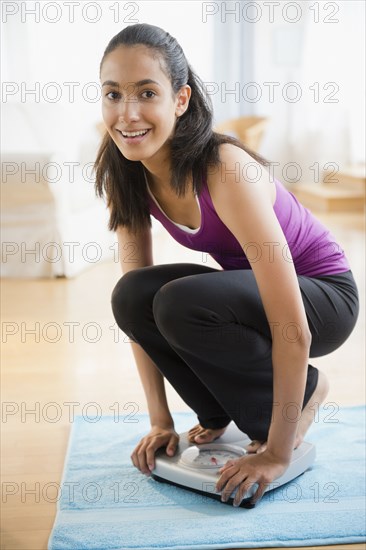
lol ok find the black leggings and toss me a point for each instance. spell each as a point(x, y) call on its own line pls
point(207, 332)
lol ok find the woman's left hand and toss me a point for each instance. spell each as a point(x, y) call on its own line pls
point(243, 472)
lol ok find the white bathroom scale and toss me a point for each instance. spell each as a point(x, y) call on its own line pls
point(196, 467)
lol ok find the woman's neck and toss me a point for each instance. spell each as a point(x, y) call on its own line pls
point(158, 178)
point(159, 175)
point(158, 183)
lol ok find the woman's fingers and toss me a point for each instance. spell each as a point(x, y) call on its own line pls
point(152, 448)
point(139, 456)
point(135, 456)
point(243, 489)
point(259, 492)
point(172, 445)
point(150, 457)
point(230, 486)
point(226, 472)
point(133, 459)
point(231, 480)
point(143, 457)
point(260, 469)
point(227, 464)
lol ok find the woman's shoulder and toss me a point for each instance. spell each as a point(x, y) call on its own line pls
point(237, 166)
point(229, 151)
point(233, 161)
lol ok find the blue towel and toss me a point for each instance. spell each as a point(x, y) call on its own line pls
point(106, 503)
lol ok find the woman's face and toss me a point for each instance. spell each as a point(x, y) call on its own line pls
point(138, 97)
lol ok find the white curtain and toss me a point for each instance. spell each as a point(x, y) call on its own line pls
point(323, 53)
point(330, 125)
point(37, 54)
point(225, 50)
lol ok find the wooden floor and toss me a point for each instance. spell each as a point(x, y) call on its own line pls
point(40, 376)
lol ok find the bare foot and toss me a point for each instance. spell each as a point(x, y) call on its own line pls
point(198, 434)
point(307, 416)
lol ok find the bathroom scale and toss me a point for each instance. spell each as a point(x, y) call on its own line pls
point(196, 466)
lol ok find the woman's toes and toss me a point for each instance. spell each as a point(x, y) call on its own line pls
point(193, 432)
point(207, 435)
point(194, 429)
point(262, 448)
point(198, 434)
point(254, 446)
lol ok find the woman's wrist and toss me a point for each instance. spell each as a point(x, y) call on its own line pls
point(280, 447)
point(163, 421)
point(279, 455)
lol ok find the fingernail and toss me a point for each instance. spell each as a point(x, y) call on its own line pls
point(151, 467)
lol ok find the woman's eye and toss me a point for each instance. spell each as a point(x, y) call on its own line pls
point(150, 94)
point(112, 98)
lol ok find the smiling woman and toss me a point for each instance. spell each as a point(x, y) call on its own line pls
point(139, 111)
point(235, 342)
point(144, 90)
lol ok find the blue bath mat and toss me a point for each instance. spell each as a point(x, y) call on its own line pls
point(107, 504)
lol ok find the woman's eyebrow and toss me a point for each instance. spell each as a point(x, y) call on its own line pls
point(138, 84)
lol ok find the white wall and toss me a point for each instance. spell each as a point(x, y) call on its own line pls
point(259, 45)
point(307, 52)
point(268, 51)
point(39, 53)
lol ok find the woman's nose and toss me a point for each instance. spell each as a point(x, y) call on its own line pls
point(129, 110)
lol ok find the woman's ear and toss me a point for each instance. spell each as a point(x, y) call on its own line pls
point(183, 98)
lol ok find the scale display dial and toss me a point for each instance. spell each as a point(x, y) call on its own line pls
point(210, 455)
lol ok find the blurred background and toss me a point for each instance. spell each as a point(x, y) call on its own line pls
point(294, 72)
point(285, 77)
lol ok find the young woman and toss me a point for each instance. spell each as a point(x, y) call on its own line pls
point(234, 342)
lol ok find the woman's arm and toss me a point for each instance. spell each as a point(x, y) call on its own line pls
point(135, 251)
point(153, 384)
point(245, 208)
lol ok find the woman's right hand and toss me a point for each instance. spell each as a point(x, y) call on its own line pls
point(143, 455)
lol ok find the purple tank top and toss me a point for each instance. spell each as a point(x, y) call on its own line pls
point(311, 246)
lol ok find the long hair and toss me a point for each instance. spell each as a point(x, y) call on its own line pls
point(194, 146)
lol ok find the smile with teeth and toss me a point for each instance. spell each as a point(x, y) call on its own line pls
point(135, 134)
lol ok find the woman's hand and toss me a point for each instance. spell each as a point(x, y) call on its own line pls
point(244, 472)
point(143, 455)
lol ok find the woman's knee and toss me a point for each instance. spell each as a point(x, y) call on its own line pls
point(170, 309)
point(128, 296)
point(182, 316)
point(186, 322)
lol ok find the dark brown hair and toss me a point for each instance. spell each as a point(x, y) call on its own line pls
point(194, 146)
